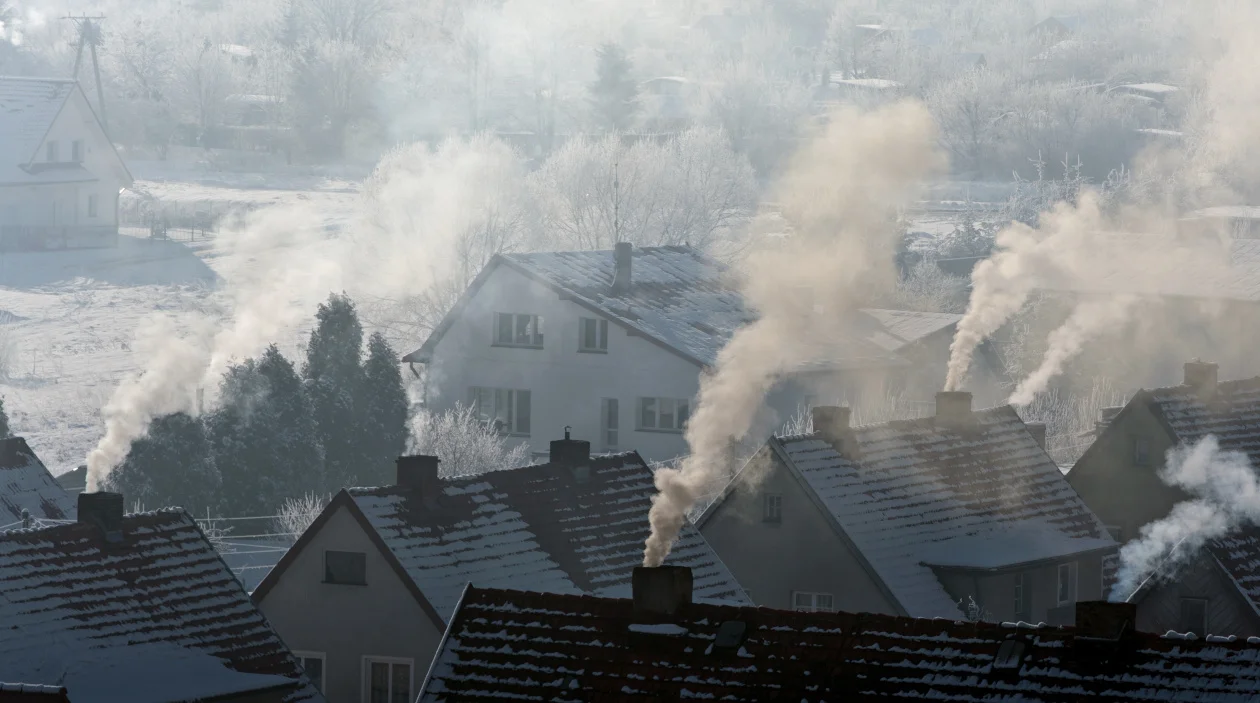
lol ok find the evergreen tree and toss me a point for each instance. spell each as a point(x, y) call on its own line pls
point(614, 94)
point(383, 414)
point(5, 432)
point(171, 466)
point(334, 382)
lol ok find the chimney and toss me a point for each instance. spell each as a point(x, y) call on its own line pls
point(570, 453)
point(832, 424)
point(1038, 432)
point(419, 473)
point(104, 511)
point(953, 408)
point(1105, 416)
point(622, 279)
point(1102, 619)
point(1201, 376)
point(661, 590)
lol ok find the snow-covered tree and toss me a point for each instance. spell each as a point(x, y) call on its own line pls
point(614, 94)
point(466, 445)
point(297, 514)
point(171, 466)
point(5, 432)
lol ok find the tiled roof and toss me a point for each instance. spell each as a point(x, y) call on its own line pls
point(511, 645)
point(688, 302)
point(923, 490)
point(156, 610)
point(28, 107)
point(1231, 414)
point(26, 484)
point(1239, 555)
point(537, 527)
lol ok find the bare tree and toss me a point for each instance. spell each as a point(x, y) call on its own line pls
point(297, 514)
point(970, 111)
point(466, 445)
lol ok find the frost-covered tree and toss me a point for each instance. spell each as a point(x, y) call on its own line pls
point(5, 432)
point(334, 383)
point(615, 93)
point(971, 111)
point(171, 466)
point(466, 445)
point(383, 412)
point(297, 514)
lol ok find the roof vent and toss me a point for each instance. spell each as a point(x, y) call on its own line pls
point(1038, 432)
point(103, 511)
point(622, 279)
point(731, 635)
point(1201, 376)
point(953, 408)
point(660, 590)
point(570, 453)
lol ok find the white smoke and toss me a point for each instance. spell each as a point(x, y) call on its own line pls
point(1227, 496)
point(840, 195)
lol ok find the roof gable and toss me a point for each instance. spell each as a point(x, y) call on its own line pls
point(28, 107)
point(76, 608)
point(538, 527)
point(26, 484)
point(511, 645)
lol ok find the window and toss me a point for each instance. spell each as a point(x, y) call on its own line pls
point(1194, 616)
point(386, 680)
point(313, 665)
point(773, 511)
point(1066, 590)
point(349, 568)
point(1141, 451)
point(92, 205)
point(76, 151)
point(511, 330)
point(505, 409)
point(592, 335)
point(52, 152)
point(611, 422)
point(667, 414)
point(812, 602)
point(1022, 611)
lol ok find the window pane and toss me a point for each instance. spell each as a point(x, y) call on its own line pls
point(1064, 583)
point(345, 567)
point(503, 334)
point(684, 412)
point(401, 690)
point(538, 330)
point(603, 335)
point(378, 686)
point(522, 329)
point(801, 601)
point(522, 412)
point(666, 421)
point(823, 601)
point(588, 333)
point(647, 412)
point(314, 668)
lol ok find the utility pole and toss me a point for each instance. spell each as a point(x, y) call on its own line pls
point(90, 36)
point(616, 202)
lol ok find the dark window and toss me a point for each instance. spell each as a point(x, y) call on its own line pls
point(1116, 532)
point(504, 409)
point(592, 334)
point(389, 682)
point(92, 205)
point(1022, 609)
point(1141, 451)
point(773, 509)
point(514, 330)
point(348, 568)
point(668, 414)
point(54, 154)
point(1194, 616)
point(313, 665)
point(1066, 590)
point(612, 423)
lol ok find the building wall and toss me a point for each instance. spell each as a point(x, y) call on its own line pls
point(995, 592)
point(800, 553)
point(1119, 491)
point(1227, 614)
point(347, 622)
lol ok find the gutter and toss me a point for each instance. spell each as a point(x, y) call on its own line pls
point(1045, 561)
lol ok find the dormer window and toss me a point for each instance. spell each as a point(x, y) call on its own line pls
point(517, 330)
point(52, 152)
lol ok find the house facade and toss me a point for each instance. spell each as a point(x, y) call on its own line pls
point(957, 515)
point(612, 344)
point(60, 176)
point(386, 567)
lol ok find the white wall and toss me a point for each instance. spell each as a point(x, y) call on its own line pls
point(566, 385)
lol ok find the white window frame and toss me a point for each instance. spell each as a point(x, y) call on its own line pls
point(674, 403)
point(322, 657)
point(365, 675)
point(512, 395)
point(601, 335)
point(1022, 605)
point(535, 328)
point(1058, 583)
point(813, 606)
point(772, 508)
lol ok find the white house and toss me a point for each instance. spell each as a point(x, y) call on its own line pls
point(60, 176)
point(612, 344)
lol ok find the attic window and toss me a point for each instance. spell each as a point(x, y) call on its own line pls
point(348, 568)
point(1010, 654)
point(731, 635)
point(1141, 451)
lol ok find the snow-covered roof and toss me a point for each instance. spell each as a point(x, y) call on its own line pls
point(1149, 88)
point(28, 107)
point(688, 303)
point(982, 495)
point(26, 484)
point(521, 646)
point(1233, 212)
point(153, 611)
point(1231, 413)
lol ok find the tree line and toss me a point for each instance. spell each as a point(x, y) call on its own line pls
point(278, 432)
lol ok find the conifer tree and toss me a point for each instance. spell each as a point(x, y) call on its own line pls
point(5, 432)
point(171, 466)
point(383, 414)
point(614, 94)
point(334, 383)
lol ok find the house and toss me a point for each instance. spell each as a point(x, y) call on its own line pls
point(385, 567)
point(29, 495)
point(612, 343)
point(1118, 477)
point(135, 608)
point(60, 176)
point(74, 481)
point(661, 646)
point(960, 513)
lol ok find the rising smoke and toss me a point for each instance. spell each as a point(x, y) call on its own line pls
point(840, 196)
point(1226, 494)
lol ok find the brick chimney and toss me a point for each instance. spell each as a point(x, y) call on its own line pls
point(953, 408)
point(831, 422)
point(419, 473)
point(104, 511)
point(1201, 376)
point(622, 279)
point(1038, 432)
point(570, 453)
point(660, 590)
point(1102, 619)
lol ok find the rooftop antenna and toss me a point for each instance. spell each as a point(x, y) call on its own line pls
point(89, 30)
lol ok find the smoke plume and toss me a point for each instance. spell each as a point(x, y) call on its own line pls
point(1227, 496)
point(839, 195)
